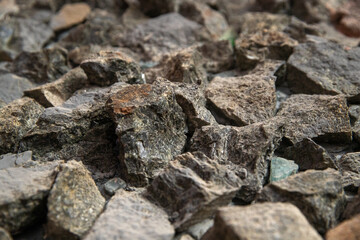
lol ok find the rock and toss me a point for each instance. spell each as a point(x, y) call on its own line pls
point(192, 187)
point(273, 220)
point(139, 220)
point(274, 6)
point(12, 160)
point(8, 7)
point(109, 67)
point(348, 230)
point(4, 235)
point(347, 18)
point(72, 212)
point(249, 148)
point(169, 32)
point(320, 116)
point(155, 8)
point(309, 155)
point(56, 93)
point(70, 15)
point(114, 184)
point(329, 69)
point(17, 118)
point(17, 35)
point(184, 237)
point(282, 168)
point(198, 230)
point(151, 129)
point(354, 114)
point(246, 99)
point(349, 165)
point(23, 195)
point(13, 86)
point(352, 208)
point(318, 194)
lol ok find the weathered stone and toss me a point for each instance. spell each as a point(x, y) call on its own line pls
point(70, 15)
point(4, 235)
point(347, 230)
point(192, 187)
point(349, 165)
point(17, 35)
point(139, 220)
point(198, 230)
point(8, 7)
point(309, 155)
point(246, 99)
point(74, 202)
point(354, 113)
point(114, 184)
point(324, 68)
point(318, 194)
point(23, 195)
point(17, 118)
point(271, 220)
point(151, 129)
point(352, 208)
point(12, 160)
point(56, 93)
point(320, 116)
point(249, 148)
point(347, 18)
point(282, 168)
point(155, 8)
point(109, 67)
point(13, 86)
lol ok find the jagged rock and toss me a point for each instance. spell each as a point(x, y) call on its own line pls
point(13, 160)
point(109, 67)
point(354, 114)
point(347, 18)
point(318, 194)
point(320, 116)
point(169, 32)
point(347, 230)
point(70, 15)
point(349, 165)
point(151, 129)
point(214, 22)
point(139, 220)
point(42, 66)
point(17, 118)
point(309, 155)
point(192, 187)
point(155, 8)
point(23, 195)
point(270, 220)
point(8, 7)
point(114, 184)
point(328, 69)
point(56, 93)
point(17, 35)
point(74, 202)
point(281, 168)
point(4, 235)
point(13, 86)
point(245, 99)
point(249, 148)
point(352, 208)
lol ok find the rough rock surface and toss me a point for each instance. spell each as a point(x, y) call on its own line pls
point(74, 202)
point(128, 215)
point(318, 194)
point(13, 86)
point(349, 165)
point(13, 160)
point(70, 15)
point(282, 168)
point(348, 230)
point(273, 220)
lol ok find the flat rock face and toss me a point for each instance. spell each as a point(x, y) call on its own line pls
point(23, 195)
point(318, 194)
point(13, 160)
point(13, 86)
point(324, 68)
point(74, 202)
point(281, 168)
point(151, 129)
point(309, 116)
point(70, 15)
point(174, 189)
point(128, 215)
point(348, 230)
point(273, 220)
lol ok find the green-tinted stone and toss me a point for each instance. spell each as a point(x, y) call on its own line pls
point(281, 168)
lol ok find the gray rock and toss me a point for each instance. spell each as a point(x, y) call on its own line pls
point(320, 116)
point(13, 86)
point(349, 165)
point(8, 7)
point(198, 230)
point(274, 6)
point(271, 220)
point(139, 220)
point(114, 184)
point(74, 202)
point(352, 208)
point(12, 160)
point(192, 187)
point(23, 195)
point(318, 194)
point(4, 235)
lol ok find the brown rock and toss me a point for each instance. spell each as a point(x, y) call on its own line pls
point(70, 15)
point(347, 18)
point(349, 165)
point(347, 230)
point(8, 7)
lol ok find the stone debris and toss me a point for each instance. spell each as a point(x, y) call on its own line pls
point(70, 15)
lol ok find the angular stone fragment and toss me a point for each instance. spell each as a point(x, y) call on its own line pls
point(352, 208)
point(192, 187)
point(349, 165)
point(347, 230)
point(56, 93)
point(320, 116)
point(23, 195)
point(12, 160)
point(128, 215)
point(4, 235)
point(318, 194)
point(151, 129)
point(282, 168)
point(17, 118)
point(74, 202)
point(271, 220)
point(109, 67)
point(114, 184)
point(13, 86)
point(246, 99)
point(70, 15)
point(324, 68)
